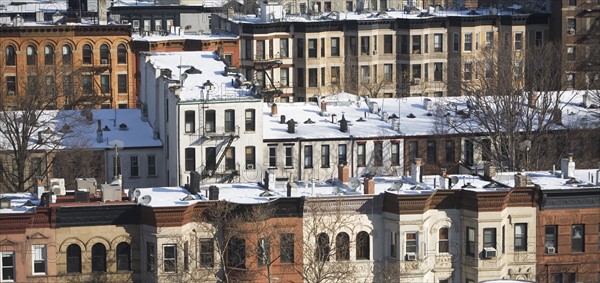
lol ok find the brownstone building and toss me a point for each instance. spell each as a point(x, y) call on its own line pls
point(91, 61)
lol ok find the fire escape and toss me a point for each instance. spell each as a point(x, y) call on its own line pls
point(262, 65)
point(589, 39)
point(222, 138)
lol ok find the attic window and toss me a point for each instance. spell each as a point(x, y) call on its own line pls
point(123, 127)
point(193, 70)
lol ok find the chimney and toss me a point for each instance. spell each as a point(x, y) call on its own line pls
point(99, 137)
point(213, 193)
point(489, 170)
point(323, 106)
point(282, 119)
point(567, 167)
point(333, 118)
point(442, 178)
point(269, 180)
point(532, 100)
point(369, 186)
point(274, 110)
point(520, 180)
point(291, 126)
point(343, 125)
point(343, 173)
point(415, 173)
point(194, 187)
point(230, 13)
point(557, 116)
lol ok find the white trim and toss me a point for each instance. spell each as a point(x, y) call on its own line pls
point(8, 254)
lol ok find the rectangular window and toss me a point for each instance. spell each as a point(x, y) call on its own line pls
point(449, 149)
point(150, 257)
point(312, 48)
point(264, 251)
point(335, 46)
point(416, 44)
point(122, 83)
point(86, 83)
point(284, 74)
point(489, 39)
point(250, 158)
point(260, 50)
point(431, 151)
point(210, 157)
point(360, 155)
point(486, 149)
point(469, 152)
point(312, 77)
point(413, 150)
point(388, 72)
point(250, 117)
point(286, 248)
point(300, 48)
point(32, 87)
point(190, 121)
point(503, 238)
point(236, 253)
point(134, 169)
point(489, 68)
point(151, 165)
point(550, 239)
point(378, 153)
point(518, 41)
point(468, 44)
point(11, 85)
point(300, 77)
point(230, 158)
point(521, 237)
point(190, 159)
point(186, 251)
point(210, 123)
point(571, 26)
point(394, 244)
point(342, 153)
point(365, 72)
point(470, 247)
point(388, 45)
point(325, 156)
point(289, 156)
point(539, 38)
point(229, 120)
point(272, 156)
point(578, 238)
point(283, 47)
point(7, 267)
point(38, 259)
point(571, 53)
point(438, 42)
point(411, 242)
point(322, 76)
point(364, 45)
point(322, 47)
point(572, 2)
point(170, 258)
point(416, 72)
point(438, 69)
point(489, 238)
point(207, 252)
point(308, 154)
point(395, 154)
point(468, 71)
point(455, 42)
point(443, 245)
point(335, 75)
point(105, 83)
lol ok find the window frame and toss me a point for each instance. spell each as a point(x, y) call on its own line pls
point(520, 239)
point(443, 240)
point(342, 247)
point(286, 248)
point(471, 242)
point(551, 239)
point(250, 122)
point(98, 257)
point(6, 254)
point(578, 244)
point(325, 156)
point(207, 252)
point(489, 238)
point(363, 246)
point(361, 158)
point(73, 258)
point(308, 156)
point(123, 256)
point(38, 250)
point(134, 166)
point(172, 260)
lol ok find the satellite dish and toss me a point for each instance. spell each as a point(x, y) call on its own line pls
point(454, 180)
point(397, 184)
point(354, 183)
point(145, 200)
point(136, 193)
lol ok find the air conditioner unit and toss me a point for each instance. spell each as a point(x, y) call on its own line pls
point(416, 81)
point(550, 250)
point(104, 61)
point(489, 252)
point(136, 29)
point(57, 185)
point(411, 256)
point(571, 31)
point(249, 166)
point(11, 93)
point(125, 22)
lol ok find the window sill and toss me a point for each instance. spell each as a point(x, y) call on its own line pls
point(35, 275)
point(325, 166)
point(308, 167)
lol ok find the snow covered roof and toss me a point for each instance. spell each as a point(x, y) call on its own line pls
point(155, 38)
point(31, 6)
point(201, 3)
point(18, 203)
point(196, 69)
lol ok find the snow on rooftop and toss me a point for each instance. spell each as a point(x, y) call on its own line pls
point(31, 6)
point(204, 3)
point(171, 36)
point(196, 69)
point(18, 203)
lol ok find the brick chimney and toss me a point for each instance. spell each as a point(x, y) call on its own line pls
point(520, 180)
point(415, 172)
point(323, 106)
point(369, 186)
point(532, 100)
point(489, 170)
point(273, 110)
point(343, 173)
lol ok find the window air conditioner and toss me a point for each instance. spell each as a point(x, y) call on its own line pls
point(104, 61)
point(411, 256)
point(249, 166)
point(550, 250)
point(489, 252)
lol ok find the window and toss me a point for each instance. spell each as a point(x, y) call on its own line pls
point(272, 156)
point(518, 41)
point(11, 85)
point(150, 257)
point(289, 156)
point(571, 53)
point(335, 46)
point(86, 82)
point(489, 39)
point(388, 44)
point(416, 72)
point(455, 42)
point(312, 77)
point(264, 251)
point(361, 159)
point(394, 244)
point(121, 54)
point(11, 58)
point(469, 150)
point(570, 80)
point(470, 247)
point(300, 48)
point(539, 38)
point(468, 71)
point(578, 238)
point(312, 48)
point(571, 26)
point(48, 55)
point(550, 238)
point(98, 258)
point(283, 47)
point(236, 253)
point(7, 266)
point(158, 25)
point(449, 149)
point(151, 165)
point(342, 247)
point(342, 154)
point(286, 248)
point(411, 242)
point(190, 121)
point(230, 158)
point(365, 72)
point(468, 44)
point(123, 256)
point(210, 121)
point(87, 54)
point(300, 77)
point(438, 71)
point(325, 156)
point(431, 151)
point(362, 246)
point(248, 50)
point(486, 150)
point(31, 55)
point(503, 238)
point(207, 258)
point(443, 242)
point(170, 258)
point(105, 83)
point(378, 153)
point(395, 153)
point(308, 160)
point(210, 158)
point(364, 45)
point(190, 159)
point(387, 72)
point(229, 120)
point(322, 251)
point(250, 117)
point(489, 68)
point(284, 74)
point(250, 158)
point(32, 88)
point(38, 259)
point(521, 237)
point(438, 42)
point(335, 75)
point(572, 2)
point(134, 169)
point(416, 44)
point(413, 150)
point(489, 238)
point(73, 258)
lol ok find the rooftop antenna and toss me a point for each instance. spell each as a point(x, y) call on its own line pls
point(117, 144)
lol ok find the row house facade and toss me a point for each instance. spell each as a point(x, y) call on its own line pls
point(89, 63)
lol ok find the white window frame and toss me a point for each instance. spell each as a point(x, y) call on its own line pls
point(416, 240)
point(164, 259)
point(7, 254)
point(38, 251)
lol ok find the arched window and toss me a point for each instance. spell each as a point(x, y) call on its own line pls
point(322, 251)
point(342, 247)
point(11, 58)
point(362, 245)
point(121, 54)
point(67, 55)
point(87, 54)
point(443, 240)
point(123, 256)
point(74, 258)
point(104, 54)
point(31, 55)
point(49, 55)
point(98, 258)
